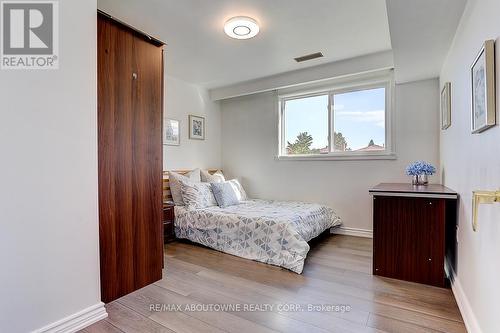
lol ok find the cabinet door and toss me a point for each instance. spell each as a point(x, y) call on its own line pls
point(130, 159)
point(409, 239)
point(437, 235)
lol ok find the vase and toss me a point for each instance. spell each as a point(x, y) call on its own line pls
point(419, 180)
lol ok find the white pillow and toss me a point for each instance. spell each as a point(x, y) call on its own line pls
point(224, 194)
point(197, 195)
point(175, 186)
point(217, 177)
point(240, 191)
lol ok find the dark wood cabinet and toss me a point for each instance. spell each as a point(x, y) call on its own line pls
point(130, 113)
point(168, 223)
point(410, 237)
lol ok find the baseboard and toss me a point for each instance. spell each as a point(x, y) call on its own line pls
point(470, 320)
point(352, 232)
point(76, 321)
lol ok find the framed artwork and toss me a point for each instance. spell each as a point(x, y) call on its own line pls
point(483, 88)
point(196, 127)
point(171, 134)
point(446, 106)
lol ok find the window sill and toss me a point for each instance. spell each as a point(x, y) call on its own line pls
point(338, 157)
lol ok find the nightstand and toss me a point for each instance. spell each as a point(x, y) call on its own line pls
point(168, 222)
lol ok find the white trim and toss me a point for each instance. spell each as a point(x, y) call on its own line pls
point(338, 157)
point(470, 320)
point(366, 233)
point(358, 81)
point(76, 321)
point(414, 195)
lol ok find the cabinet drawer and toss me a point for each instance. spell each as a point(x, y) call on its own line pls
point(168, 223)
point(168, 214)
point(168, 231)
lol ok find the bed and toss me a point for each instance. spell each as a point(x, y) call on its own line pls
point(272, 232)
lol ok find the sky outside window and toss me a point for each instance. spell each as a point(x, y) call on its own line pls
point(360, 117)
point(309, 115)
point(359, 121)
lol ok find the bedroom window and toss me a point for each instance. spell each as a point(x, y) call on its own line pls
point(344, 122)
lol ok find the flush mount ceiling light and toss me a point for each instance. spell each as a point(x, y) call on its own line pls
point(241, 27)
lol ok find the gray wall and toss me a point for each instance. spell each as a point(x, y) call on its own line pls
point(249, 147)
point(49, 241)
point(472, 162)
point(181, 100)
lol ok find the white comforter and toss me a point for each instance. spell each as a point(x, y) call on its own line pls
point(273, 232)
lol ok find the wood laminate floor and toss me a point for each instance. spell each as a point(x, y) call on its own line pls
point(337, 271)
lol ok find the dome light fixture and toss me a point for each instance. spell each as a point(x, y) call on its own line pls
point(241, 27)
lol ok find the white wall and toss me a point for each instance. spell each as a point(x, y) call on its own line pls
point(181, 100)
point(472, 162)
point(249, 147)
point(48, 176)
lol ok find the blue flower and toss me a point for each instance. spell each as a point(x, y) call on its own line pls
point(420, 168)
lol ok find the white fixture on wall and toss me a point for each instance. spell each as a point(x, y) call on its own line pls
point(241, 27)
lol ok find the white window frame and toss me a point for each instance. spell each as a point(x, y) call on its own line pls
point(365, 82)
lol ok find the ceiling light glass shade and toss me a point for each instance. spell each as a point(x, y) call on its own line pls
point(241, 27)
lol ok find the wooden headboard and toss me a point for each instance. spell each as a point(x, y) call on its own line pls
point(167, 196)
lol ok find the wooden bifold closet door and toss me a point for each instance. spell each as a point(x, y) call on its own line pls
point(130, 104)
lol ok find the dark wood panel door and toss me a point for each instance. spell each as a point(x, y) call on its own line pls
point(130, 79)
point(409, 239)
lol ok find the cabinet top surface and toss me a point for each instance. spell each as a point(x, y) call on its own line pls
point(431, 189)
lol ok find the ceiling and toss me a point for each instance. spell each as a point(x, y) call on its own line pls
point(199, 52)
point(419, 33)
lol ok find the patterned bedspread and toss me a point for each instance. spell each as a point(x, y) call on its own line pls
point(273, 232)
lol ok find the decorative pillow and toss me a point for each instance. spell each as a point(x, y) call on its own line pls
point(224, 194)
point(175, 186)
point(197, 195)
point(238, 189)
point(217, 177)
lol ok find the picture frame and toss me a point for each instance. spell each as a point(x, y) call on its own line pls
point(171, 132)
point(446, 106)
point(483, 108)
point(196, 127)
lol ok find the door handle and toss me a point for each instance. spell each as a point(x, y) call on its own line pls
point(482, 197)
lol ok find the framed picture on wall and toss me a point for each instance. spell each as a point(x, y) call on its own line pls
point(171, 132)
point(446, 106)
point(483, 107)
point(196, 127)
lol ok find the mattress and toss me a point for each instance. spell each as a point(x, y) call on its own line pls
point(273, 232)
